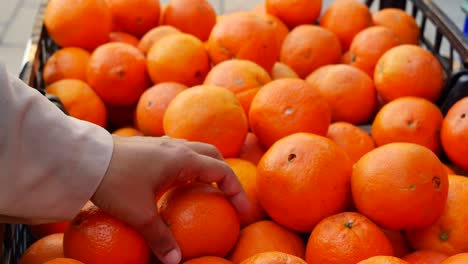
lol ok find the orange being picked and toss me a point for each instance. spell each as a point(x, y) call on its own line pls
point(155, 34)
point(127, 132)
point(408, 119)
point(346, 18)
point(281, 70)
point(266, 236)
point(123, 37)
point(383, 260)
point(96, 237)
point(408, 70)
point(296, 172)
point(400, 186)
point(63, 261)
point(349, 91)
point(456, 259)
point(117, 72)
point(355, 141)
point(44, 249)
point(308, 47)
point(252, 150)
point(80, 100)
point(242, 77)
point(178, 58)
point(454, 134)
point(195, 17)
point(153, 104)
point(85, 24)
point(286, 106)
point(293, 12)
point(66, 63)
point(425, 257)
point(400, 22)
point(339, 239)
point(42, 230)
point(209, 114)
point(273, 257)
point(134, 16)
point(398, 240)
point(208, 260)
point(201, 218)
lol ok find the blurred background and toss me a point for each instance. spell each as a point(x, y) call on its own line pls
point(17, 18)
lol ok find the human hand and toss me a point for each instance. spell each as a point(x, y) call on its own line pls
point(142, 167)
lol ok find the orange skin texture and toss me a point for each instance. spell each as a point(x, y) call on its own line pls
point(178, 58)
point(152, 106)
point(296, 172)
point(124, 38)
point(286, 106)
point(80, 100)
point(274, 257)
point(409, 119)
point(117, 72)
point(84, 24)
point(63, 261)
point(400, 186)
point(282, 29)
point(66, 63)
point(134, 16)
point(383, 260)
point(346, 18)
point(346, 58)
point(42, 230)
point(457, 259)
point(202, 220)
point(216, 117)
point(400, 22)
point(252, 150)
point(244, 35)
point(154, 35)
point(349, 92)
point(266, 236)
point(369, 45)
point(399, 243)
point(127, 132)
point(447, 234)
point(425, 257)
point(454, 134)
point(208, 260)
point(354, 141)
point(295, 13)
point(246, 172)
point(44, 249)
point(281, 71)
point(338, 239)
point(196, 17)
point(308, 47)
point(408, 70)
point(242, 77)
point(96, 237)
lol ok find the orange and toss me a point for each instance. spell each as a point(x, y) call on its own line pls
point(42, 230)
point(408, 119)
point(127, 132)
point(252, 150)
point(246, 172)
point(286, 106)
point(96, 237)
point(399, 243)
point(425, 257)
point(349, 92)
point(44, 249)
point(63, 261)
point(208, 260)
point(308, 47)
point(369, 45)
point(408, 70)
point(154, 35)
point(447, 234)
point(123, 37)
point(295, 13)
point(454, 134)
point(448, 170)
point(201, 218)
point(354, 141)
point(242, 77)
point(456, 259)
point(273, 257)
point(178, 58)
point(400, 186)
point(85, 24)
point(245, 35)
point(281, 29)
point(80, 100)
point(400, 22)
point(216, 117)
point(134, 16)
point(295, 173)
point(195, 17)
point(266, 236)
point(346, 18)
point(281, 71)
point(152, 106)
point(66, 63)
point(383, 260)
point(346, 58)
point(346, 238)
point(117, 72)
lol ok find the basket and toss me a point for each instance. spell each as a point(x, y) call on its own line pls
point(447, 43)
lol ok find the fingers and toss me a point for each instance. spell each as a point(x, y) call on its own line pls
point(205, 149)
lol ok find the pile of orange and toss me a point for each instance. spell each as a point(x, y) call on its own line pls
point(328, 117)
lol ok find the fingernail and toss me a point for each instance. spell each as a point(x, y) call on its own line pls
point(173, 257)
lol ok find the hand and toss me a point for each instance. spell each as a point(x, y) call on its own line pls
point(142, 167)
